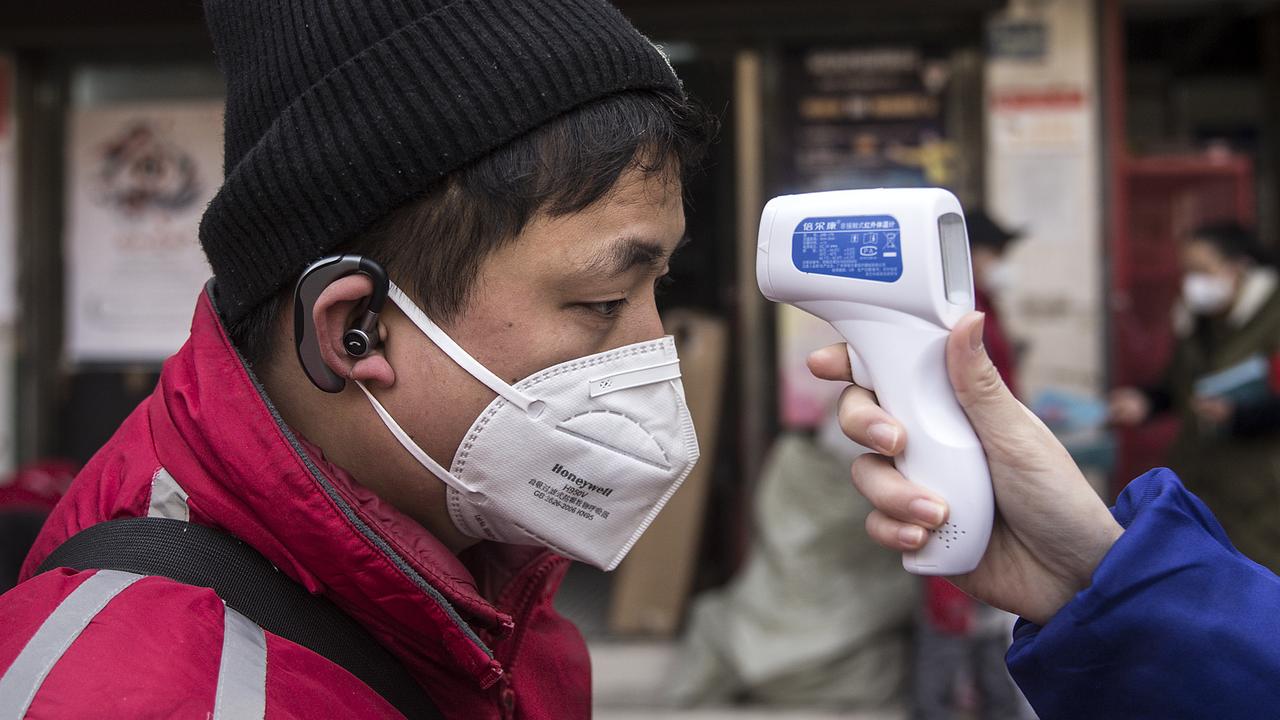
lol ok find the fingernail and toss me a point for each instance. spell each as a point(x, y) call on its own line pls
point(911, 536)
point(975, 334)
point(884, 435)
point(926, 511)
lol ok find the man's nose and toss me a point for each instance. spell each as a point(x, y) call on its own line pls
point(647, 325)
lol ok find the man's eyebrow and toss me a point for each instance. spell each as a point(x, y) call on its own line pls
point(627, 253)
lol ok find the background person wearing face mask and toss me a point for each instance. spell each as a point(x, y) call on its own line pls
point(992, 277)
point(961, 642)
point(1222, 381)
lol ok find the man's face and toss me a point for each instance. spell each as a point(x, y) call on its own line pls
point(565, 287)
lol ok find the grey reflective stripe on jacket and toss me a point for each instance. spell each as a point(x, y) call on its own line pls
point(242, 669)
point(168, 499)
point(27, 673)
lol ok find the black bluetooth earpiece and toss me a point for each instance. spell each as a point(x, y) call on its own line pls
point(359, 340)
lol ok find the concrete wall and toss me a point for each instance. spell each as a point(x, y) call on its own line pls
point(1044, 177)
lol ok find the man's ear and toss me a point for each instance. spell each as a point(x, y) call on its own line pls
point(336, 310)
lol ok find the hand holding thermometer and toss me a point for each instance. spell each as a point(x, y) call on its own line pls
point(889, 269)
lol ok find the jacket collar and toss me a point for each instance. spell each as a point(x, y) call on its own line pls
point(217, 431)
point(1255, 289)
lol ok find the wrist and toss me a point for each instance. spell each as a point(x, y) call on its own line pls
point(1089, 556)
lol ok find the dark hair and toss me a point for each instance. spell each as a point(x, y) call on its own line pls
point(983, 231)
point(1233, 241)
point(433, 247)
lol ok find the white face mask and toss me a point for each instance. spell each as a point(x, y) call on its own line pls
point(1206, 294)
point(578, 458)
point(999, 277)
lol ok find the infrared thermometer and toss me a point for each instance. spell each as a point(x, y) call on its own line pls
point(889, 269)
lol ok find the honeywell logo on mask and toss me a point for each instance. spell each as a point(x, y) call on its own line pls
point(582, 483)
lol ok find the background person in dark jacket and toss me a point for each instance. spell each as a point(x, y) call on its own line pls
point(1223, 384)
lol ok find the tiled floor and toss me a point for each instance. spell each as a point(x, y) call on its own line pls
point(628, 678)
point(734, 714)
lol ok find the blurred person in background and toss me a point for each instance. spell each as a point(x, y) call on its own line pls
point(818, 615)
point(26, 497)
point(961, 642)
point(1222, 381)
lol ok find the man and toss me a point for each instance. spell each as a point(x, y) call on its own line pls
point(515, 168)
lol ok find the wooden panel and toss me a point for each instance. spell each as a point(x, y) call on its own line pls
point(652, 585)
point(96, 23)
point(96, 12)
point(91, 23)
point(955, 21)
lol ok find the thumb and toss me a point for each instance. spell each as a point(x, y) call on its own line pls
point(990, 405)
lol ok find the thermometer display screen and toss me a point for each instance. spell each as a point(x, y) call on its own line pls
point(956, 272)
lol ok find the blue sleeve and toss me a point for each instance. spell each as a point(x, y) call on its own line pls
point(1177, 623)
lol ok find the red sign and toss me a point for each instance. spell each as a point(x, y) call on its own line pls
point(1039, 99)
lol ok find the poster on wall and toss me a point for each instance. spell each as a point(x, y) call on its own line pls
point(865, 118)
point(139, 177)
point(855, 118)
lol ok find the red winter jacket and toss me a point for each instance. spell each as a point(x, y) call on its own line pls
point(479, 633)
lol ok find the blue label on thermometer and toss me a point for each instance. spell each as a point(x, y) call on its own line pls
point(865, 247)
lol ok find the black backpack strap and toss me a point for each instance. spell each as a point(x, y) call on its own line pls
point(249, 584)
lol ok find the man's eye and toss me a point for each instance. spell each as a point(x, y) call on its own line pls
point(608, 308)
point(661, 283)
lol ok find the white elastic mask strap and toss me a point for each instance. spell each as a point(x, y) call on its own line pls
point(407, 442)
point(455, 351)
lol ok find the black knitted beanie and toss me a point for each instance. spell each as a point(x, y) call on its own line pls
point(340, 111)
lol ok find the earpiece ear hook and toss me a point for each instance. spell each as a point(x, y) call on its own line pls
point(359, 340)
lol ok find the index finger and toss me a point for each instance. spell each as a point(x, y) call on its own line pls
point(831, 363)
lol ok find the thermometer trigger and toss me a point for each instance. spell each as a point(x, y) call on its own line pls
point(861, 376)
